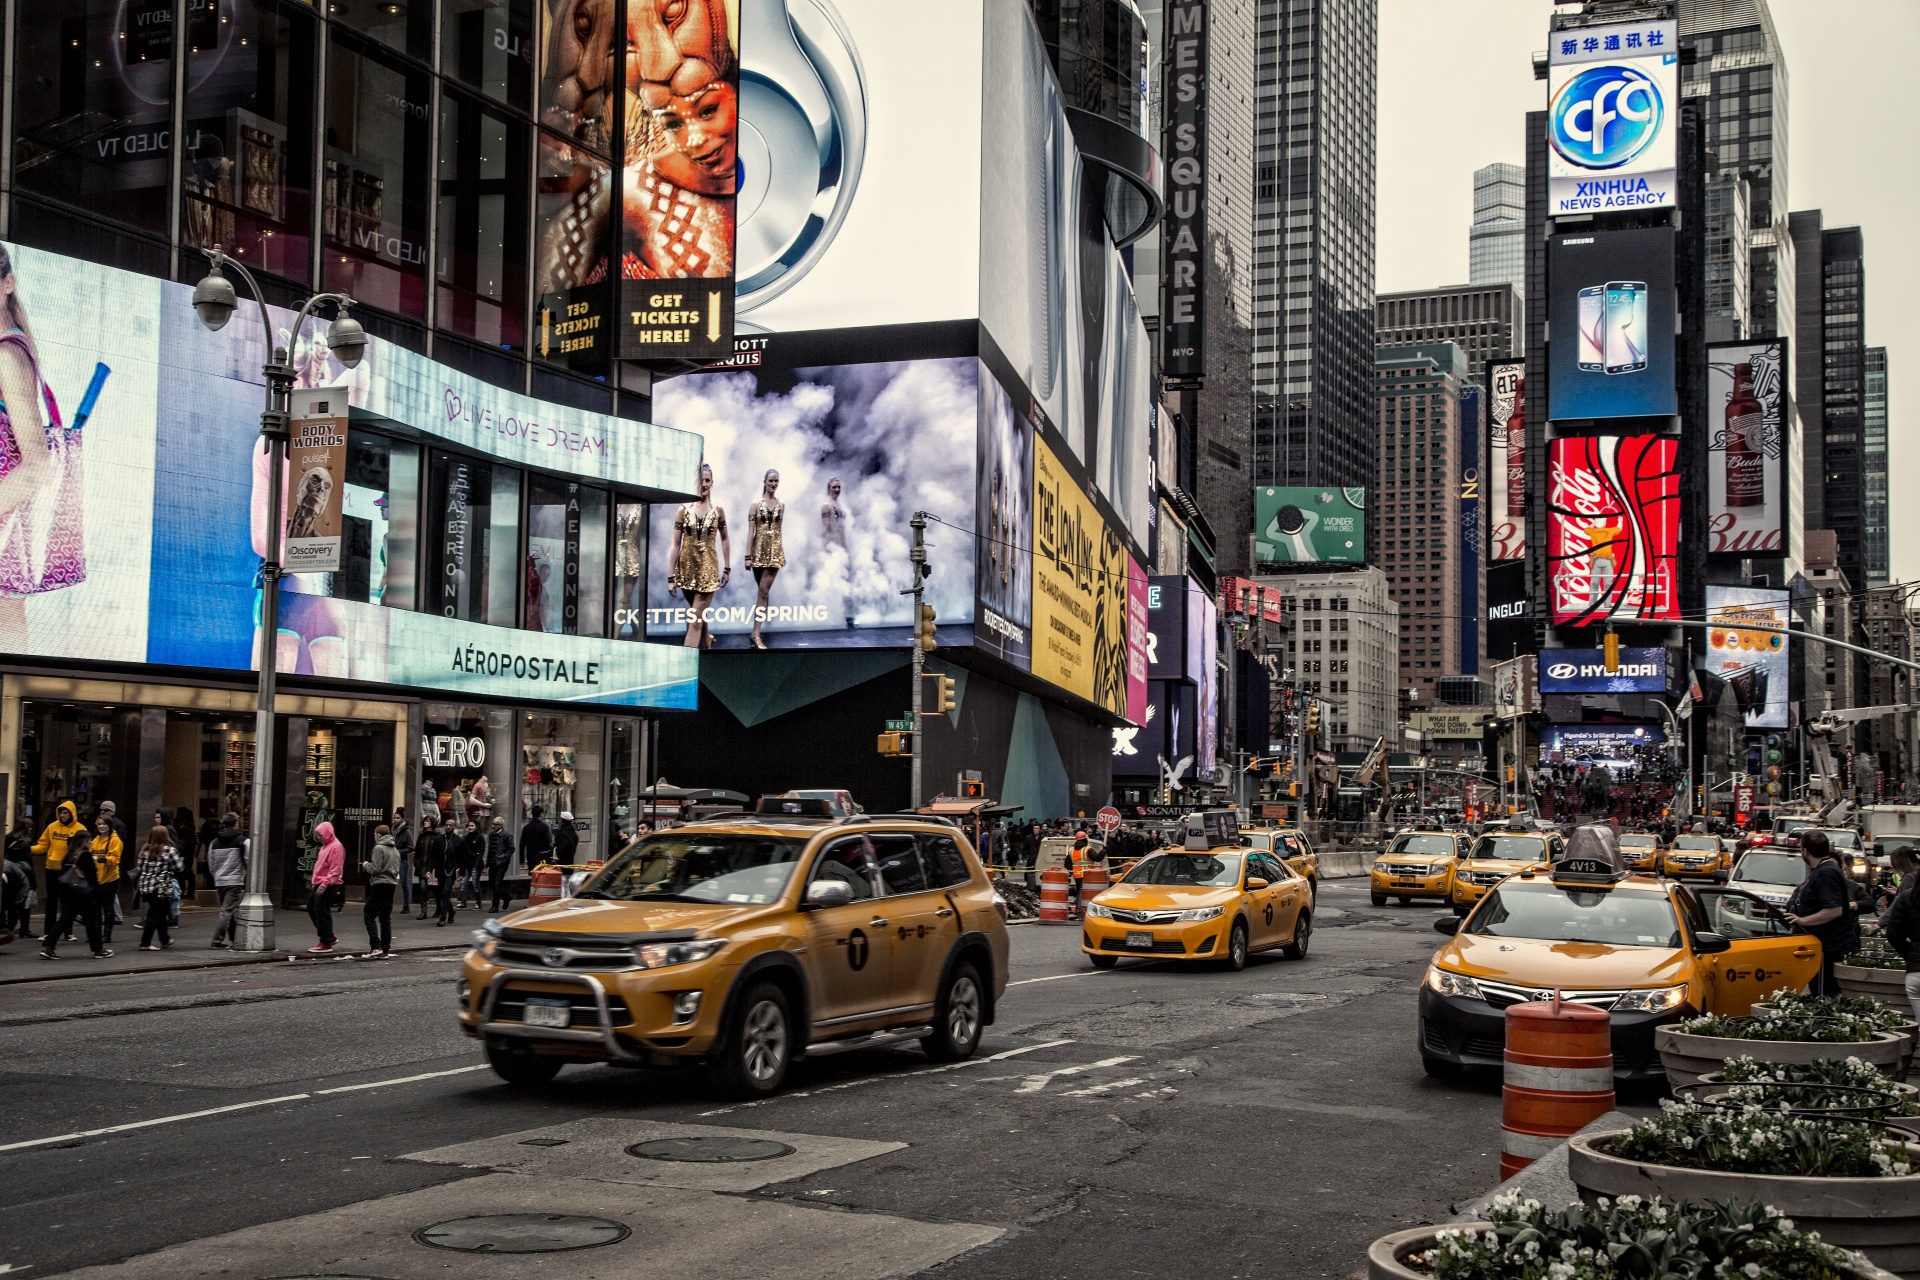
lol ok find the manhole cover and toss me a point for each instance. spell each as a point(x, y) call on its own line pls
point(544, 1142)
point(522, 1233)
point(717, 1150)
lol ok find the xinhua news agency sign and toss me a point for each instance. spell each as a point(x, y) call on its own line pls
point(1585, 671)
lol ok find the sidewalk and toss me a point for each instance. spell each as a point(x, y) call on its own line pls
point(20, 961)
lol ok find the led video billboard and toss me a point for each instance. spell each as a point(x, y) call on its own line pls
point(1310, 526)
point(1585, 671)
point(1748, 442)
point(1753, 664)
point(1506, 474)
point(1613, 113)
point(1613, 529)
point(1610, 310)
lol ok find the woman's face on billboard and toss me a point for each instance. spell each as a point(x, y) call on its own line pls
point(702, 128)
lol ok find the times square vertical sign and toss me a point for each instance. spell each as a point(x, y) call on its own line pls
point(1183, 353)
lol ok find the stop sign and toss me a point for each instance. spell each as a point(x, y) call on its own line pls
point(1108, 820)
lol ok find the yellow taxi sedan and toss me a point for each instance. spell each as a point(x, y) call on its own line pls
point(1417, 864)
point(1495, 856)
point(1647, 951)
point(1219, 904)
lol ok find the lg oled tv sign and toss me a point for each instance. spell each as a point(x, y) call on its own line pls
point(1612, 112)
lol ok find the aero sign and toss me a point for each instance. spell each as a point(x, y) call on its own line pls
point(1613, 107)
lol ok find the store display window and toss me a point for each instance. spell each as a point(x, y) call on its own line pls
point(566, 579)
point(560, 759)
point(473, 545)
point(466, 764)
point(626, 777)
point(629, 570)
point(346, 778)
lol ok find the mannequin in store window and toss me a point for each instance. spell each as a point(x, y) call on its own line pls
point(766, 555)
point(481, 795)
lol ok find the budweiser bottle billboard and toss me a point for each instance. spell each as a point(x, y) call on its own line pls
point(1746, 461)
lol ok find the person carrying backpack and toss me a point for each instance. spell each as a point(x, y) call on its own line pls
point(227, 865)
point(157, 881)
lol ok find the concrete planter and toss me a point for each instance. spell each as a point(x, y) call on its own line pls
point(1909, 1029)
point(1386, 1259)
point(1888, 986)
point(1688, 1057)
point(1880, 1217)
point(1907, 1092)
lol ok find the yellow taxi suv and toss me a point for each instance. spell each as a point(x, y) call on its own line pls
point(1700, 857)
point(1496, 855)
point(1417, 864)
point(1291, 846)
point(1208, 900)
point(747, 943)
point(1641, 850)
point(1646, 950)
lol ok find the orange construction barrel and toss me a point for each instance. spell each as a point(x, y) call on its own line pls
point(1559, 1077)
point(1053, 895)
point(1095, 882)
point(546, 885)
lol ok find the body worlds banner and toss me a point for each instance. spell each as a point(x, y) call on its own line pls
point(1506, 476)
point(316, 464)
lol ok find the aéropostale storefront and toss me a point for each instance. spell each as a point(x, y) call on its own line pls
point(474, 648)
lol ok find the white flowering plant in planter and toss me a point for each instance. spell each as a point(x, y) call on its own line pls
point(1631, 1239)
point(1752, 1139)
point(1778, 1081)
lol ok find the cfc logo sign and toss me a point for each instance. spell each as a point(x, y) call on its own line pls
point(1606, 116)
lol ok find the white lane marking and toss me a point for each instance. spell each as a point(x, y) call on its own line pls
point(381, 1084)
point(865, 1080)
point(1034, 1084)
point(1084, 973)
point(1103, 1088)
point(148, 1124)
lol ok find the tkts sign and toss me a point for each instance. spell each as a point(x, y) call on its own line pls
point(1613, 528)
point(1183, 283)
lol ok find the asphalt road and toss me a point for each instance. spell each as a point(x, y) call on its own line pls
point(1147, 1120)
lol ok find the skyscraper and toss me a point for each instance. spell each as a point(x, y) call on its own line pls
point(1497, 240)
point(1878, 550)
point(1483, 319)
point(1416, 537)
point(1313, 242)
point(1843, 359)
point(1740, 72)
point(1729, 282)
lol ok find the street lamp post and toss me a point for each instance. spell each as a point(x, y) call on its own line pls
point(214, 301)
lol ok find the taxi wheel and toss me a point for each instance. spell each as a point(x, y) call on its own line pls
point(758, 1045)
point(1302, 935)
point(1406, 902)
point(1104, 962)
point(521, 1068)
point(1379, 899)
point(1237, 946)
point(1440, 1068)
point(957, 1018)
point(1460, 911)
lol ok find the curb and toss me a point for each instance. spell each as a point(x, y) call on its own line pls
point(227, 963)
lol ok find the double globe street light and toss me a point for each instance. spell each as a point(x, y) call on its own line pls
point(214, 300)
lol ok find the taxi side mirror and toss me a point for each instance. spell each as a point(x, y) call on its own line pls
point(1710, 943)
point(1256, 882)
point(828, 893)
point(1447, 925)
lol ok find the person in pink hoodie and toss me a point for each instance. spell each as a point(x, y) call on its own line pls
point(328, 891)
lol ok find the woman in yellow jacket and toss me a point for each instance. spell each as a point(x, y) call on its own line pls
point(53, 845)
point(107, 852)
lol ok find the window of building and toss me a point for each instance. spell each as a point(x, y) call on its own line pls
point(485, 175)
point(566, 578)
point(473, 553)
point(374, 217)
point(488, 45)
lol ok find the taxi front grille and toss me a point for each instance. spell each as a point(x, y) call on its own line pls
point(599, 959)
point(1143, 917)
point(511, 1003)
point(1486, 877)
point(1501, 994)
point(1166, 947)
point(1411, 870)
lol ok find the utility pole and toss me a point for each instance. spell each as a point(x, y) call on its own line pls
point(919, 523)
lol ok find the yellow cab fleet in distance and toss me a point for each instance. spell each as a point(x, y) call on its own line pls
point(1208, 898)
point(747, 942)
point(1417, 864)
point(1496, 854)
point(1702, 857)
point(1641, 850)
point(1648, 951)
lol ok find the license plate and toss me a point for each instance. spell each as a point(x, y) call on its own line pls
point(1406, 884)
point(547, 1013)
point(1139, 939)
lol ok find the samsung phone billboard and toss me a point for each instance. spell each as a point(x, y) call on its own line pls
point(1610, 308)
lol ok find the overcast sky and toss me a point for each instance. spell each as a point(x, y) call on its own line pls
point(1456, 81)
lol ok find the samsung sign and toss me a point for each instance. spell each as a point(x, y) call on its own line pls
point(1585, 671)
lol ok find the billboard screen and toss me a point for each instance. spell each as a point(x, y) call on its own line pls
point(1617, 746)
point(1183, 233)
point(1471, 542)
point(1082, 576)
point(1613, 112)
point(1509, 611)
point(1753, 664)
point(1004, 511)
point(1310, 526)
point(1610, 314)
point(1585, 671)
point(1506, 475)
point(1613, 529)
point(1746, 463)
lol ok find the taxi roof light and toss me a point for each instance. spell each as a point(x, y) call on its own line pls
point(1592, 857)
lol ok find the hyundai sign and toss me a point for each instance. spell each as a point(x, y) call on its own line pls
point(1585, 671)
point(1613, 107)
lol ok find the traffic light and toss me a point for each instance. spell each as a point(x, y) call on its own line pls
point(896, 744)
point(923, 629)
point(1313, 717)
point(1611, 648)
point(942, 694)
point(972, 789)
point(1293, 791)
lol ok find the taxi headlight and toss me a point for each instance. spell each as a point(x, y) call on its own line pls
point(1383, 866)
point(1652, 999)
point(485, 944)
point(1098, 912)
point(1453, 984)
point(1200, 913)
point(661, 955)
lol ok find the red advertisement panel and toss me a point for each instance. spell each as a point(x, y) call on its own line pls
point(1613, 528)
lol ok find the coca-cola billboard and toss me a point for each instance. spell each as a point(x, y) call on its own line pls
point(1613, 529)
point(1750, 430)
point(1506, 476)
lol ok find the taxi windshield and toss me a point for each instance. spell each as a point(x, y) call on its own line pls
point(1525, 848)
point(1638, 840)
point(1697, 842)
point(1566, 913)
point(1770, 868)
point(1429, 846)
point(1257, 839)
point(1218, 870)
point(1841, 838)
point(700, 867)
